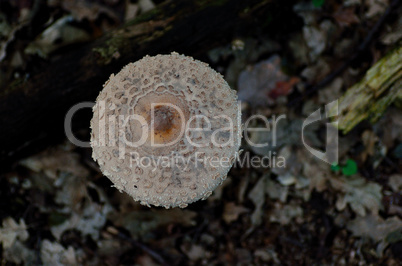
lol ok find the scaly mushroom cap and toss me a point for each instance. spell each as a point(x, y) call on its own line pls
point(143, 133)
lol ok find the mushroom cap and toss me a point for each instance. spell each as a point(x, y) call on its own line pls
point(166, 130)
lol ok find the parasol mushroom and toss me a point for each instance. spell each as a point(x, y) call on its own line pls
point(166, 130)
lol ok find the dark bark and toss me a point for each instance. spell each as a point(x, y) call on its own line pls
point(32, 112)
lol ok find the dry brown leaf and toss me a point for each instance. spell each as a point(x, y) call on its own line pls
point(194, 252)
point(72, 190)
point(19, 254)
point(284, 214)
point(393, 34)
point(276, 191)
point(361, 196)
point(53, 253)
point(315, 39)
point(56, 160)
point(11, 231)
point(316, 72)
point(146, 5)
point(232, 212)
point(131, 10)
point(395, 182)
point(318, 174)
point(369, 139)
point(264, 78)
point(345, 16)
point(257, 196)
point(374, 226)
point(87, 216)
point(89, 222)
point(376, 7)
point(283, 88)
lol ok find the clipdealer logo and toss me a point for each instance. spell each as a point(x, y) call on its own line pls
point(329, 155)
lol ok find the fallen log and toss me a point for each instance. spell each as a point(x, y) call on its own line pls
point(370, 97)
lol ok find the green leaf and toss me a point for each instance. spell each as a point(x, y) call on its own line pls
point(335, 167)
point(57, 218)
point(350, 168)
point(318, 3)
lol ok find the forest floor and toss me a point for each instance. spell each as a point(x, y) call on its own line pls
point(56, 207)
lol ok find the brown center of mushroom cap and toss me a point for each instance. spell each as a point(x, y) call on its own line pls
point(165, 116)
point(164, 120)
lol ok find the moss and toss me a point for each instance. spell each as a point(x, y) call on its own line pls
point(111, 49)
point(208, 3)
point(155, 35)
point(369, 98)
point(14, 85)
point(152, 14)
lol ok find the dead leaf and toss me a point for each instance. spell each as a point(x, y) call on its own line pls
point(395, 182)
point(146, 5)
point(361, 196)
point(267, 255)
point(257, 82)
point(376, 7)
point(374, 226)
point(146, 260)
point(345, 16)
point(59, 34)
point(18, 253)
point(131, 10)
point(369, 139)
point(11, 231)
point(257, 196)
point(316, 72)
point(242, 189)
point(283, 88)
point(317, 172)
point(72, 190)
point(56, 160)
point(232, 212)
point(307, 11)
point(394, 34)
point(88, 223)
point(284, 214)
point(390, 127)
point(194, 252)
point(299, 48)
point(88, 217)
point(315, 39)
point(276, 191)
point(52, 253)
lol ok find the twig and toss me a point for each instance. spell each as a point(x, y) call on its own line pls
point(138, 244)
